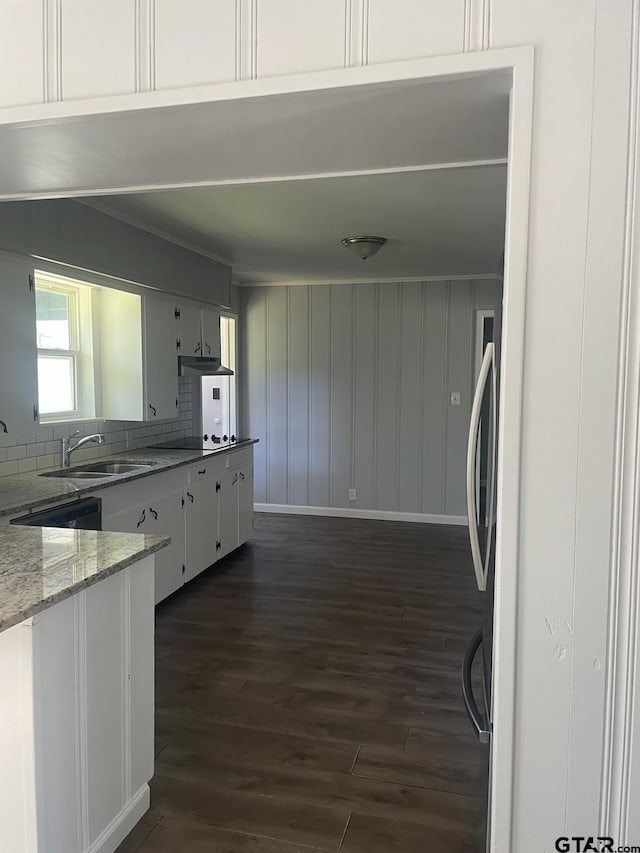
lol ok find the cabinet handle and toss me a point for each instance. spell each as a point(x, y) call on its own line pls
point(153, 513)
point(4, 426)
point(208, 348)
point(198, 348)
point(235, 479)
point(153, 409)
point(218, 545)
point(142, 518)
point(218, 486)
point(203, 471)
point(241, 475)
point(190, 496)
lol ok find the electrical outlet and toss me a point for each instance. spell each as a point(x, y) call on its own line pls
point(455, 398)
point(352, 494)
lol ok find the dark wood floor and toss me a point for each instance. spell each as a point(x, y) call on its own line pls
point(308, 696)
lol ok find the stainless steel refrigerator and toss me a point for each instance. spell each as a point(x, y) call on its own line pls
point(481, 509)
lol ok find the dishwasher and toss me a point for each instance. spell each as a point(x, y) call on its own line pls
point(85, 514)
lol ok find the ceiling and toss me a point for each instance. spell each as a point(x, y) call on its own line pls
point(270, 183)
point(438, 222)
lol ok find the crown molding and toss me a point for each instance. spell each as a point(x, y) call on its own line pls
point(372, 280)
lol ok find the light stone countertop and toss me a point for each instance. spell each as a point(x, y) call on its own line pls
point(41, 566)
point(25, 492)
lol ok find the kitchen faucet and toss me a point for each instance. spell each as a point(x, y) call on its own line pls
point(68, 448)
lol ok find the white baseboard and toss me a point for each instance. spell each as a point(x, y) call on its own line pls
point(122, 824)
point(347, 512)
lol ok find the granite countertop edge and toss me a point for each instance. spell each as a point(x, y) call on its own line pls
point(55, 490)
point(10, 616)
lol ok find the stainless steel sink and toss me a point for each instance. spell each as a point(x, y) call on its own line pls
point(114, 467)
point(98, 470)
point(70, 474)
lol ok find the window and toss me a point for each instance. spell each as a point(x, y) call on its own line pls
point(63, 321)
point(219, 392)
point(228, 358)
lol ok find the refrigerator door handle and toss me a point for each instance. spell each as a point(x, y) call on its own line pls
point(482, 729)
point(487, 370)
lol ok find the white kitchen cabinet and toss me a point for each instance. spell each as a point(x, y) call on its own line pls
point(78, 685)
point(245, 500)
point(205, 507)
point(139, 371)
point(160, 362)
point(210, 320)
point(19, 376)
point(198, 331)
point(201, 504)
point(159, 515)
point(228, 535)
point(189, 330)
point(236, 501)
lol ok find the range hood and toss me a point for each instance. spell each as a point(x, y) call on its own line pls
point(191, 365)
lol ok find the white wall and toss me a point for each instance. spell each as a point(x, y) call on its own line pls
point(582, 154)
point(347, 386)
point(147, 46)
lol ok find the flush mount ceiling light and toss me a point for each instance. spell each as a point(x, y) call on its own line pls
point(364, 247)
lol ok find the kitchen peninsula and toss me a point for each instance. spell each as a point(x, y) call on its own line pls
point(76, 668)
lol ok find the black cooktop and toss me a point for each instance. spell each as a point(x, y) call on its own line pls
point(200, 442)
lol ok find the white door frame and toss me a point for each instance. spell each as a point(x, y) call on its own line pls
point(519, 63)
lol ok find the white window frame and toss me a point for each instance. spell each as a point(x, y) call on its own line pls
point(80, 349)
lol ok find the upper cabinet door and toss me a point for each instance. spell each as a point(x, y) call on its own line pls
point(19, 379)
point(210, 333)
point(160, 360)
point(190, 333)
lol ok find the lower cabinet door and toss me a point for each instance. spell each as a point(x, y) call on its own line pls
point(245, 503)
point(229, 481)
point(201, 526)
point(161, 517)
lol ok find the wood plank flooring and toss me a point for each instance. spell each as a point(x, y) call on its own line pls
point(308, 696)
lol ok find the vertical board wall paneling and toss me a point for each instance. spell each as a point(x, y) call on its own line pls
point(394, 35)
point(295, 37)
point(195, 42)
point(387, 398)
point(459, 370)
point(348, 386)
point(320, 405)
point(410, 408)
point(298, 397)
point(105, 701)
point(22, 71)
point(98, 48)
point(277, 398)
point(434, 365)
point(341, 342)
point(365, 382)
point(255, 376)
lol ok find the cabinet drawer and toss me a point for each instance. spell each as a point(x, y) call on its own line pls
point(205, 468)
point(240, 458)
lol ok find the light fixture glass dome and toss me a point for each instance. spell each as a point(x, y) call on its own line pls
point(364, 247)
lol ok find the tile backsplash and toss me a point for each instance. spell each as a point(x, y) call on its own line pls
point(42, 449)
